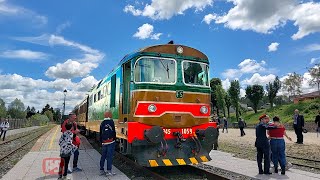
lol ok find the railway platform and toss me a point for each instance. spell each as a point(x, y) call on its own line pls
point(42, 162)
point(20, 130)
point(248, 168)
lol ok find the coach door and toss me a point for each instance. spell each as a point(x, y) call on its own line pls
point(126, 91)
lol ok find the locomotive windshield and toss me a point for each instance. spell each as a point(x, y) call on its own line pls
point(155, 70)
point(195, 73)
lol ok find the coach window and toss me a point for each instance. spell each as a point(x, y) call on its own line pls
point(90, 100)
point(99, 95)
point(195, 73)
point(155, 70)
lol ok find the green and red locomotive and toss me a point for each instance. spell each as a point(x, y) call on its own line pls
point(160, 101)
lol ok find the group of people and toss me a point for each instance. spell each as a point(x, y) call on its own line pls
point(4, 126)
point(70, 142)
point(273, 143)
point(270, 138)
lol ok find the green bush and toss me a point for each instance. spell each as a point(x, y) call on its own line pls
point(39, 119)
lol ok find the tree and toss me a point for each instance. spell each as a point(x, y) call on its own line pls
point(234, 92)
point(255, 94)
point(49, 114)
point(33, 110)
point(3, 109)
point(227, 99)
point(292, 84)
point(213, 84)
point(46, 108)
point(272, 89)
point(315, 76)
point(57, 115)
point(220, 98)
point(29, 112)
point(16, 109)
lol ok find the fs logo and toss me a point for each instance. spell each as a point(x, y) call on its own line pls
point(51, 165)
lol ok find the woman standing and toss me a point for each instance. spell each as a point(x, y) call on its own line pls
point(277, 144)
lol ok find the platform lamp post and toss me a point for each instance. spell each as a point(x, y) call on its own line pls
point(64, 103)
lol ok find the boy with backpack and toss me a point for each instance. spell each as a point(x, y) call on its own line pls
point(107, 139)
point(66, 150)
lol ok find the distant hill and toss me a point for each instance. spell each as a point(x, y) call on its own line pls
point(309, 109)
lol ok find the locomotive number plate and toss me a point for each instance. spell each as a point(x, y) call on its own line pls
point(182, 131)
point(179, 94)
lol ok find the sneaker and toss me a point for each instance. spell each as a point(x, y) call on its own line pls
point(283, 172)
point(64, 178)
point(102, 172)
point(76, 169)
point(69, 171)
point(110, 173)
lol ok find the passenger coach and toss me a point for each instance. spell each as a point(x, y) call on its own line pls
point(160, 101)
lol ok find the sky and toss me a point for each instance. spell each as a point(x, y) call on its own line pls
point(48, 46)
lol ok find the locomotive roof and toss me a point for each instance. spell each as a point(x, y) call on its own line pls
point(167, 49)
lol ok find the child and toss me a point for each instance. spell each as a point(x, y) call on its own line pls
point(76, 141)
point(66, 150)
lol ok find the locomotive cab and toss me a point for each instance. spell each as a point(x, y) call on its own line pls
point(170, 107)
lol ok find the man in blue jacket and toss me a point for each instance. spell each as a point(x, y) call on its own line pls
point(107, 139)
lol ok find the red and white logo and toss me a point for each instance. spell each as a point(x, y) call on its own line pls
point(51, 165)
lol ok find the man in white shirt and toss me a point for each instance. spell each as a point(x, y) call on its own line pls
point(4, 128)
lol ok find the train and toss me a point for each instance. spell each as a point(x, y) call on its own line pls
point(159, 97)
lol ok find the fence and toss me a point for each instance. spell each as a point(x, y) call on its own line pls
point(21, 123)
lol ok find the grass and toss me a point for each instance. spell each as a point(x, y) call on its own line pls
point(309, 109)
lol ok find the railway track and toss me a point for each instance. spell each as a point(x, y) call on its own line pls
point(298, 161)
point(19, 137)
point(139, 168)
point(17, 148)
point(308, 163)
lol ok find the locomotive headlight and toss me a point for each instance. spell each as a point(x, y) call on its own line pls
point(152, 108)
point(204, 110)
point(180, 49)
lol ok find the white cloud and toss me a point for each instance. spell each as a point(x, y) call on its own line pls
point(258, 79)
point(70, 69)
point(90, 54)
point(265, 16)
point(307, 17)
point(146, 31)
point(232, 73)
point(247, 66)
point(38, 92)
point(242, 92)
point(63, 26)
point(251, 66)
point(209, 17)
point(23, 54)
point(165, 9)
point(9, 11)
point(312, 47)
point(226, 84)
point(256, 15)
point(315, 60)
point(273, 47)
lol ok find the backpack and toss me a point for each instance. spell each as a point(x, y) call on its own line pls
point(107, 131)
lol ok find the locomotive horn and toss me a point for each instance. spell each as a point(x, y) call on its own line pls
point(154, 135)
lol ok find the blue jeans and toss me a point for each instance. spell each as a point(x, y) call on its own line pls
point(278, 148)
point(107, 153)
point(75, 158)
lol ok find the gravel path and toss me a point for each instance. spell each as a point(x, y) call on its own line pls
point(243, 147)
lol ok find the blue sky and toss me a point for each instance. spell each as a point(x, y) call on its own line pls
point(49, 46)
